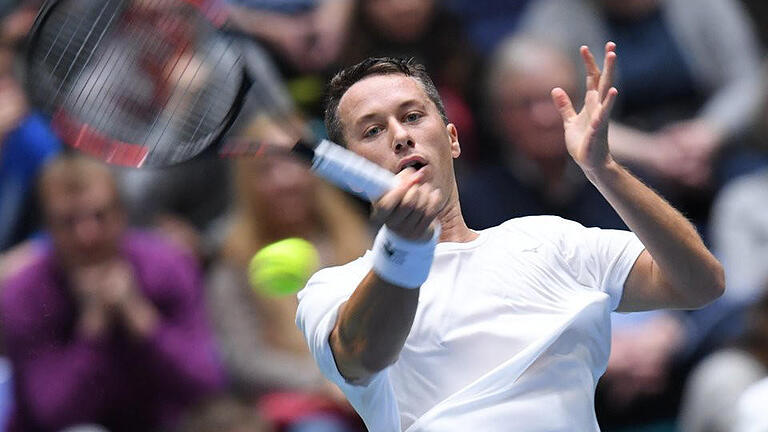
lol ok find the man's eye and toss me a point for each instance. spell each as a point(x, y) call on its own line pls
point(370, 132)
point(412, 117)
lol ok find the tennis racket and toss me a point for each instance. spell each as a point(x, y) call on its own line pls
point(152, 83)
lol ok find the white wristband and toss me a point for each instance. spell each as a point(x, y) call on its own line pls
point(401, 261)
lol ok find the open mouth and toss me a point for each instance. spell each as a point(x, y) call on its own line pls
point(416, 163)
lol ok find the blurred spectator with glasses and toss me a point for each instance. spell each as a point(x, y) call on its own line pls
point(534, 174)
point(688, 78)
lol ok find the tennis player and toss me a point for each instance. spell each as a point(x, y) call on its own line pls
point(442, 328)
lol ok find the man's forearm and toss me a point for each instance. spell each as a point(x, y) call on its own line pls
point(372, 327)
point(373, 324)
point(686, 265)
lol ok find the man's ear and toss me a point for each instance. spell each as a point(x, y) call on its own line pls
point(453, 134)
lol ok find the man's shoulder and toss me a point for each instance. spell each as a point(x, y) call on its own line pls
point(556, 232)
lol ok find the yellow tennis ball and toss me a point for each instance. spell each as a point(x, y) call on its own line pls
point(282, 268)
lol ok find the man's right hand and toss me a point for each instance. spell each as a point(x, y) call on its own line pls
point(373, 324)
point(410, 209)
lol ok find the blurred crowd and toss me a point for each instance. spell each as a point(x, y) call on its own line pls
point(125, 302)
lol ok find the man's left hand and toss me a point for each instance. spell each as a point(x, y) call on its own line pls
point(586, 132)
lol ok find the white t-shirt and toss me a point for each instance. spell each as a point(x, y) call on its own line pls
point(512, 331)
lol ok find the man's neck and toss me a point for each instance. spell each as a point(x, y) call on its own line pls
point(454, 229)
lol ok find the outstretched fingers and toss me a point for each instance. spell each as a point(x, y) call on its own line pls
point(593, 71)
point(597, 79)
point(609, 66)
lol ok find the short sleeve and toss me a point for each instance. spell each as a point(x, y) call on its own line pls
point(599, 258)
point(316, 316)
point(603, 257)
point(318, 308)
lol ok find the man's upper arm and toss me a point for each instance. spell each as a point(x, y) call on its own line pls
point(351, 370)
point(646, 289)
point(320, 303)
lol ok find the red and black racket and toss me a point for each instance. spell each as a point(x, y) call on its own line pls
point(151, 83)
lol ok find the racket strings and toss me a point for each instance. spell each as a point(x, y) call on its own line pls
point(68, 37)
point(164, 80)
point(175, 45)
point(105, 78)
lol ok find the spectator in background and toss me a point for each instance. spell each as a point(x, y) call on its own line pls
point(739, 232)
point(738, 228)
point(278, 198)
point(308, 34)
point(106, 326)
point(305, 38)
point(535, 174)
point(26, 141)
point(690, 80)
point(434, 36)
point(739, 223)
point(727, 390)
point(712, 393)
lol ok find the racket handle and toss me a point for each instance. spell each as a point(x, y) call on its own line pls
point(351, 172)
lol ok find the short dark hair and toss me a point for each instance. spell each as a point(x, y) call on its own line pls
point(374, 66)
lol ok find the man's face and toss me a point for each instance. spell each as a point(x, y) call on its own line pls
point(390, 120)
point(86, 226)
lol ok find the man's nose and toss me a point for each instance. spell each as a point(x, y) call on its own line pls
point(401, 138)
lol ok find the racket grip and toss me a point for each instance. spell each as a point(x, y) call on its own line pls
point(351, 172)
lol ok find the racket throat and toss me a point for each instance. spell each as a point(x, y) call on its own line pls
point(305, 150)
point(348, 170)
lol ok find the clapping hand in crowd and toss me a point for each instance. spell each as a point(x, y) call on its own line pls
point(108, 296)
